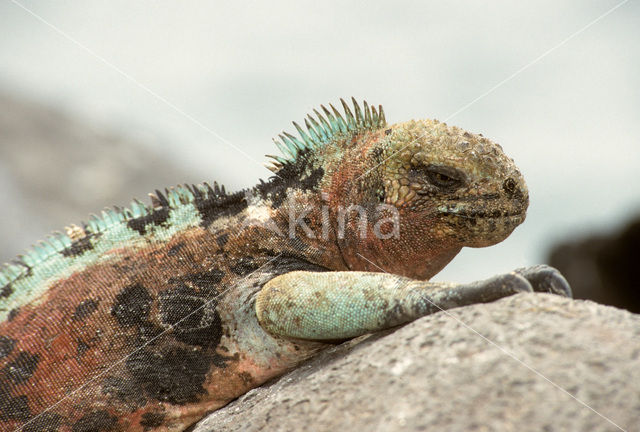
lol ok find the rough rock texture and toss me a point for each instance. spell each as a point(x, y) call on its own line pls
point(55, 170)
point(603, 267)
point(437, 374)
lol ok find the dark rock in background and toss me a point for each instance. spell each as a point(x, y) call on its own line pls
point(55, 171)
point(603, 268)
point(438, 374)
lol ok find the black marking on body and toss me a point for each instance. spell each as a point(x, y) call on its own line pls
point(286, 263)
point(222, 239)
point(125, 265)
point(124, 390)
point(13, 408)
point(218, 205)
point(157, 217)
point(96, 421)
point(13, 313)
point(22, 367)
point(148, 332)
point(173, 251)
point(175, 375)
point(205, 280)
point(311, 181)
point(45, 422)
point(19, 261)
point(132, 306)
point(152, 420)
point(244, 266)
point(82, 348)
point(192, 314)
point(6, 291)
point(84, 309)
point(388, 131)
point(6, 346)
point(298, 174)
point(275, 190)
point(80, 246)
point(220, 361)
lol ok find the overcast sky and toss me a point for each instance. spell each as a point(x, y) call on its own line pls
point(212, 83)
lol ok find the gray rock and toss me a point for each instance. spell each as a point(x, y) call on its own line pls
point(533, 362)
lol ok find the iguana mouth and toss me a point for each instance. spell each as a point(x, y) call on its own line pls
point(481, 214)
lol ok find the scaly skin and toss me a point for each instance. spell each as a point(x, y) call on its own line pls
point(145, 319)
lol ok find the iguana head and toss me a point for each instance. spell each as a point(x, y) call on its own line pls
point(460, 185)
point(436, 188)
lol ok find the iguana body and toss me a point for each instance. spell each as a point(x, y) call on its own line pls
point(147, 318)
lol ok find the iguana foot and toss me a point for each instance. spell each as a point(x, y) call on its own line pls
point(546, 279)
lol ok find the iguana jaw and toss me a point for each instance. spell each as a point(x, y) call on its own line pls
point(485, 223)
point(485, 229)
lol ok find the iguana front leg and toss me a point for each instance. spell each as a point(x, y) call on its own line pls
point(342, 305)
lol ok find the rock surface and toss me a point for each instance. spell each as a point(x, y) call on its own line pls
point(504, 366)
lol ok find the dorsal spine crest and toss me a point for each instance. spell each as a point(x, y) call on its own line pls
point(172, 198)
point(324, 128)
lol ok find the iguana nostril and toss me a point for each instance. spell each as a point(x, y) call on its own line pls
point(511, 187)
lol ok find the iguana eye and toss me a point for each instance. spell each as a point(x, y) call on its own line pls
point(442, 180)
point(444, 177)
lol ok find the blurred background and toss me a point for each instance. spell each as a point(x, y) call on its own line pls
point(103, 101)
